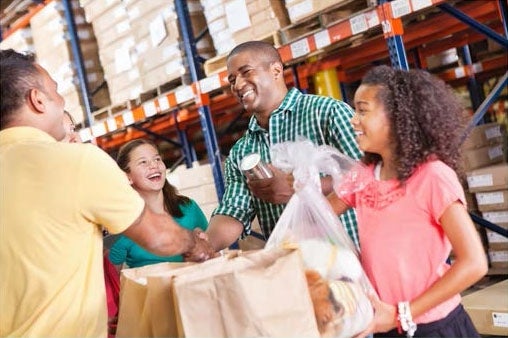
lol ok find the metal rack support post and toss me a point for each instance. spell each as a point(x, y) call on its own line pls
point(204, 110)
point(489, 100)
point(503, 10)
point(475, 91)
point(393, 30)
point(188, 149)
point(78, 61)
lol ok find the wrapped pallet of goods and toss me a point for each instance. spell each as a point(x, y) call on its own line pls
point(117, 48)
point(21, 41)
point(231, 22)
point(300, 10)
point(140, 44)
point(159, 46)
point(56, 56)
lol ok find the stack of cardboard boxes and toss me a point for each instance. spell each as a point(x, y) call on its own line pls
point(140, 44)
point(196, 183)
point(53, 49)
point(231, 22)
point(301, 9)
point(159, 45)
point(21, 41)
point(484, 154)
point(117, 51)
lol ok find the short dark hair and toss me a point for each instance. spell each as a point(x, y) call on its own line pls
point(264, 49)
point(19, 75)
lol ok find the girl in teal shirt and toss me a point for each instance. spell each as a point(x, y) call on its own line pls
point(141, 161)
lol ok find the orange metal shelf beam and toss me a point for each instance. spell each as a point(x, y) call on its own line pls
point(416, 35)
point(440, 26)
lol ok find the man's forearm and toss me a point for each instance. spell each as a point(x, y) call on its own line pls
point(160, 234)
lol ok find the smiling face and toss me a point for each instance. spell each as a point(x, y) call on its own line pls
point(256, 82)
point(147, 171)
point(370, 122)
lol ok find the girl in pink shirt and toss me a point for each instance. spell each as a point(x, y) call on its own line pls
point(413, 211)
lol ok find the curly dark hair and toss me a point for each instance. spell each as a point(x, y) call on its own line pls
point(172, 200)
point(426, 118)
point(19, 75)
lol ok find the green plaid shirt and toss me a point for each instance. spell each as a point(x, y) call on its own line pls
point(321, 119)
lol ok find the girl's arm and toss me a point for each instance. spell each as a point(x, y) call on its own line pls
point(338, 205)
point(469, 266)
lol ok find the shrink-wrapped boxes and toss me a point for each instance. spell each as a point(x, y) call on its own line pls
point(21, 41)
point(232, 22)
point(117, 48)
point(52, 44)
point(301, 9)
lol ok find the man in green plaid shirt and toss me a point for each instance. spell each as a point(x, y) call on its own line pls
point(255, 73)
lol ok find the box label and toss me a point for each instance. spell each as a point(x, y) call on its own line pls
point(322, 39)
point(493, 132)
point(495, 152)
point(419, 4)
point(496, 216)
point(358, 24)
point(480, 181)
point(498, 256)
point(400, 8)
point(300, 48)
point(500, 319)
point(237, 15)
point(496, 197)
point(494, 237)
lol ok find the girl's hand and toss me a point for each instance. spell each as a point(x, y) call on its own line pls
point(385, 315)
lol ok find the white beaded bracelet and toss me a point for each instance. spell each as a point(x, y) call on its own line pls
point(405, 319)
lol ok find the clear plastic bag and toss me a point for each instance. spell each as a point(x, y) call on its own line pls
point(337, 283)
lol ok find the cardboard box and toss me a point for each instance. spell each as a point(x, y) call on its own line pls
point(488, 309)
point(498, 258)
point(496, 241)
point(110, 17)
point(94, 8)
point(490, 178)
point(481, 157)
point(492, 200)
point(484, 135)
point(299, 10)
point(499, 217)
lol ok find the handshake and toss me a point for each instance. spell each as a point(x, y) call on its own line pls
point(202, 249)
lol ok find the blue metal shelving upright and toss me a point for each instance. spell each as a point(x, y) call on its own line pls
point(205, 116)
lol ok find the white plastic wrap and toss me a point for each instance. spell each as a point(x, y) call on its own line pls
point(337, 282)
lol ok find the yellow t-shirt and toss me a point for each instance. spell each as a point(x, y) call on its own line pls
point(54, 198)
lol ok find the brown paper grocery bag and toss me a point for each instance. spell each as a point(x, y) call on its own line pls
point(261, 293)
point(146, 308)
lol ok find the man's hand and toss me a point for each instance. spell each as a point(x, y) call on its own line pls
point(202, 249)
point(277, 189)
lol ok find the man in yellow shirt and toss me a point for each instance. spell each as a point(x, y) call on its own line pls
point(55, 197)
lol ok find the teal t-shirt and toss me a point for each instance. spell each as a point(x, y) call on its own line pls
point(126, 250)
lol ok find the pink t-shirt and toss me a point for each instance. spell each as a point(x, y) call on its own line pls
point(403, 246)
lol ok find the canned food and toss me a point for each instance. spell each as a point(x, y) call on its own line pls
point(254, 168)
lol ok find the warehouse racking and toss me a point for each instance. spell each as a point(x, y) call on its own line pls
point(403, 32)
